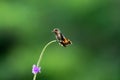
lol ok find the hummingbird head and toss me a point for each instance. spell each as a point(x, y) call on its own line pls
point(56, 31)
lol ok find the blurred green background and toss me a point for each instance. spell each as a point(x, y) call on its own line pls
point(92, 25)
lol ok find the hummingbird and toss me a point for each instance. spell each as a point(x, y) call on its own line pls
point(63, 41)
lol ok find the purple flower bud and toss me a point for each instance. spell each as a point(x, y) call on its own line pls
point(36, 69)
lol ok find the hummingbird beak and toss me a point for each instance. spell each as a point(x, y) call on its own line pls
point(53, 31)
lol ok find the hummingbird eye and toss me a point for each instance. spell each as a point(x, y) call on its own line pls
point(56, 30)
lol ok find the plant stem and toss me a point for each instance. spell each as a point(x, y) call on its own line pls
point(34, 78)
point(40, 57)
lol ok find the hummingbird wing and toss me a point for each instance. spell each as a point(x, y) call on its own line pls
point(62, 37)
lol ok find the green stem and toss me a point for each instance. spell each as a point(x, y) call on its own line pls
point(34, 78)
point(40, 57)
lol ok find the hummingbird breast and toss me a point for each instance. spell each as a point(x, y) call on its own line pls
point(58, 36)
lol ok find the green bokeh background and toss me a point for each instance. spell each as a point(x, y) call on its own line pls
point(92, 25)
